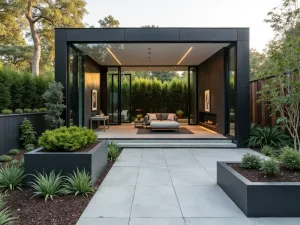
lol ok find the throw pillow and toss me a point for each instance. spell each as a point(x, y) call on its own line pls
point(152, 116)
point(171, 116)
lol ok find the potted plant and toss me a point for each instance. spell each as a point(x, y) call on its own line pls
point(179, 113)
point(139, 116)
point(64, 150)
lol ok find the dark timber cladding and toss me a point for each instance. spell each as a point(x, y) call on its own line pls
point(237, 36)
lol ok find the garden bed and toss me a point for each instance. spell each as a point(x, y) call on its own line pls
point(63, 210)
point(265, 198)
point(285, 175)
point(93, 161)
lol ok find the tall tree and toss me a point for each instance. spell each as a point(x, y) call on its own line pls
point(109, 21)
point(44, 15)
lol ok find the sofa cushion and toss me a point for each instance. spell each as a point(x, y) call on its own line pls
point(171, 116)
point(158, 116)
point(152, 116)
point(165, 124)
point(164, 116)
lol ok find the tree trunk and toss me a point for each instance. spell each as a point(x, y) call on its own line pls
point(36, 41)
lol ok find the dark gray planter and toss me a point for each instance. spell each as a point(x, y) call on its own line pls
point(259, 199)
point(94, 161)
point(10, 129)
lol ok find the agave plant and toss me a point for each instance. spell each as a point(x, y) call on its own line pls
point(11, 177)
point(273, 137)
point(113, 152)
point(6, 217)
point(79, 182)
point(48, 186)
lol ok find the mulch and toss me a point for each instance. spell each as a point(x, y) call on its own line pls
point(285, 174)
point(63, 210)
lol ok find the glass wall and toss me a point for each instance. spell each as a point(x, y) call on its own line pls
point(231, 87)
point(126, 98)
point(193, 95)
point(113, 95)
point(75, 87)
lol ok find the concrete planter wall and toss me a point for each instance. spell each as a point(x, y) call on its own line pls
point(93, 161)
point(10, 129)
point(259, 199)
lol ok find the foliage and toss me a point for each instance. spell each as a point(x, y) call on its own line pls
point(290, 158)
point(6, 111)
point(35, 110)
point(153, 95)
point(43, 16)
point(54, 99)
point(11, 177)
point(43, 110)
point(6, 217)
point(267, 150)
point(270, 167)
point(5, 158)
point(109, 21)
point(27, 132)
point(19, 111)
point(27, 110)
point(48, 186)
point(29, 147)
point(139, 116)
point(79, 182)
point(179, 112)
point(250, 161)
point(67, 139)
point(21, 90)
point(14, 152)
point(281, 93)
point(273, 137)
point(113, 151)
point(16, 56)
point(17, 163)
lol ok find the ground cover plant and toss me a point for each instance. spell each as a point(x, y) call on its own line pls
point(5, 158)
point(14, 152)
point(251, 161)
point(67, 139)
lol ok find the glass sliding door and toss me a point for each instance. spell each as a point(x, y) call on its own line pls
point(231, 90)
point(76, 88)
point(113, 95)
point(126, 98)
point(193, 95)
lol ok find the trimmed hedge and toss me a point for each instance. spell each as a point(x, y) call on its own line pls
point(153, 95)
point(20, 90)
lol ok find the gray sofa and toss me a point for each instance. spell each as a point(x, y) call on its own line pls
point(162, 122)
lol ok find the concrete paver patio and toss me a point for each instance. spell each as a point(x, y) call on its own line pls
point(168, 187)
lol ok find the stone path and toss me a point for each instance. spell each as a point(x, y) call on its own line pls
point(168, 187)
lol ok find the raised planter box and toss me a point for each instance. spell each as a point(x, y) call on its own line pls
point(10, 129)
point(259, 199)
point(94, 161)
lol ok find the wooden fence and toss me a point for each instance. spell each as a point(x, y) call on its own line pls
point(260, 114)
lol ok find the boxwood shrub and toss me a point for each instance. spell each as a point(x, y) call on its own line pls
point(27, 110)
point(19, 111)
point(67, 139)
point(6, 111)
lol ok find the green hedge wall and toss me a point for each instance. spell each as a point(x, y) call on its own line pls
point(152, 95)
point(21, 90)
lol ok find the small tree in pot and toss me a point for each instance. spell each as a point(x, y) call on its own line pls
point(54, 99)
point(179, 113)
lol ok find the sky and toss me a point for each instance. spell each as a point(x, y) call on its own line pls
point(188, 13)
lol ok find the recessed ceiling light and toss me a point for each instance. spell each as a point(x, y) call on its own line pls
point(113, 55)
point(184, 55)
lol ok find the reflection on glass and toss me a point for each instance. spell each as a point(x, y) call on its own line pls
point(113, 95)
point(231, 91)
point(193, 95)
point(125, 98)
point(75, 88)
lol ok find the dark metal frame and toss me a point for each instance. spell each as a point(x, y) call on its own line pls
point(197, 96)
point(238, 36)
